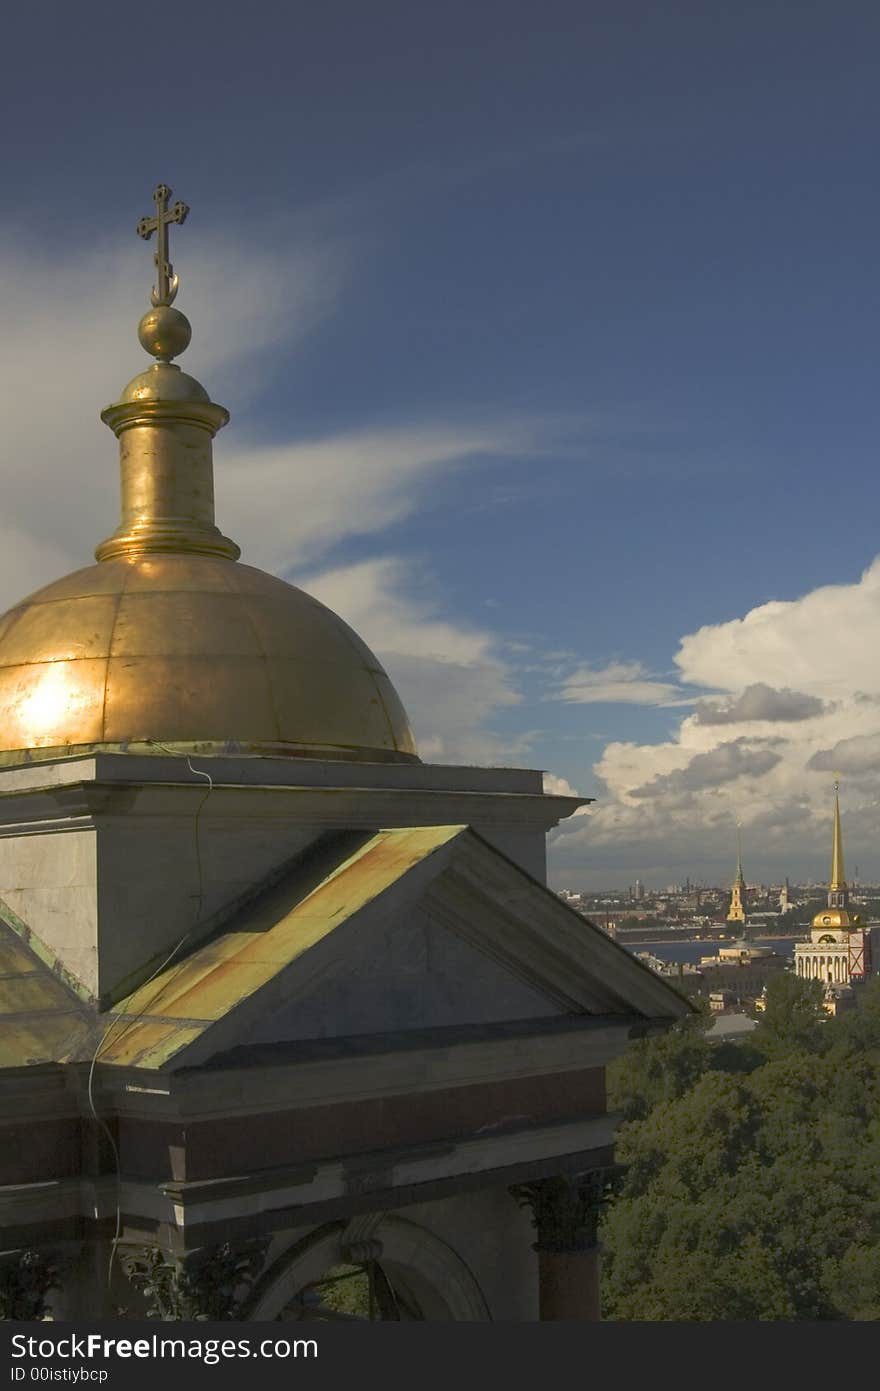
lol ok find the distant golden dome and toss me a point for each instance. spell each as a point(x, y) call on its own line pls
point(195, 652)
point(836, 918)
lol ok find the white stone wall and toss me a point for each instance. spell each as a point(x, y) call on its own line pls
point(50, 881)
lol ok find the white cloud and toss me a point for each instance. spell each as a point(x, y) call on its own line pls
point(292, 501)
point(74, 347)
point(809, 671)
point(814, 644)
point(618, 682)
point(452, 678)
point(558, 787)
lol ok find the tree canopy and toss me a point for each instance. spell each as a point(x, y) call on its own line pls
point(751, 1185)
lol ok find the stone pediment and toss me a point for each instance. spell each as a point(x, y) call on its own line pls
point(403, 930)
point(42, 1019)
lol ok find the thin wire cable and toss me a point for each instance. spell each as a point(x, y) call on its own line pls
point(129, 1021)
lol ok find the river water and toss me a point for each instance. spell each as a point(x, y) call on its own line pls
point(690, 952)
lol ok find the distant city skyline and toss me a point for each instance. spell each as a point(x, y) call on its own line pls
point(549, 340)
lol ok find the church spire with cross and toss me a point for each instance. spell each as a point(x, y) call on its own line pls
point(165, 422)
point(736, 913)
point(168, 642)
point(839, 951)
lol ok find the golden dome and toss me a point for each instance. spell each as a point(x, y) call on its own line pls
point(195, 652)
point(168, 642)
point(836, 918)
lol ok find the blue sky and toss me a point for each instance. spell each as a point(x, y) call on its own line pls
point(624, 254)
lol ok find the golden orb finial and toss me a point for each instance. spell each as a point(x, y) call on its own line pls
point(164, 332)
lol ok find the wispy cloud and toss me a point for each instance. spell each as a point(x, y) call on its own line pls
point(453, 678)
point(287, 502)
point(625, 683)
point(75, 347)
point(293, 501)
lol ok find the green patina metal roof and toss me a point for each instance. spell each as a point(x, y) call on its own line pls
point(157, 1022)
point(43, 1020)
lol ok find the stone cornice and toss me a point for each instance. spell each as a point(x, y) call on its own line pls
point(59, 1091)
point(277, 1200)
point(78, 806)
point(214, 1093)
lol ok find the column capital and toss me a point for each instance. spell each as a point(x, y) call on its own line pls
point(209, 1283)
point(566, 1209)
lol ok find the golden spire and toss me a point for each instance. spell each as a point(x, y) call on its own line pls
point(837, 915)
point(165, 422)
point(737, 910)
point(838, 873)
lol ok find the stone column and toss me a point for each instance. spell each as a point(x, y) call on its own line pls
point(565, 1214)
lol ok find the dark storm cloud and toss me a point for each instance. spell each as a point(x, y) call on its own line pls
point(729, 761)
point(861, 754)
point(760, 702)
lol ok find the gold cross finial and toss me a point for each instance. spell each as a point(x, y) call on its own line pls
point(165, 289)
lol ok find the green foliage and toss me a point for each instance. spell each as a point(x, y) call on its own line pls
point(858, 1031)
point(659, 1068)
point(26, 1277)
point(794, 1016)
point(752, 1170)
point(208, 1285)
point(346, 1290)
point(362, 1292)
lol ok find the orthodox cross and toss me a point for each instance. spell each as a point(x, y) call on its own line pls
point(165, 288)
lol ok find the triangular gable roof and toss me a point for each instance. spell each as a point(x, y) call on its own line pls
point(41, 1019)
point(168, 1021)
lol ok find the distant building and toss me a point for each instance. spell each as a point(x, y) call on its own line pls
point(741, 968)
point(838, 999)
point(720, 1000)
point(842, 948)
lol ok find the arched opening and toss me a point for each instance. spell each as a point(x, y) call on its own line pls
point(363, 1292)
point(402, 1272)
